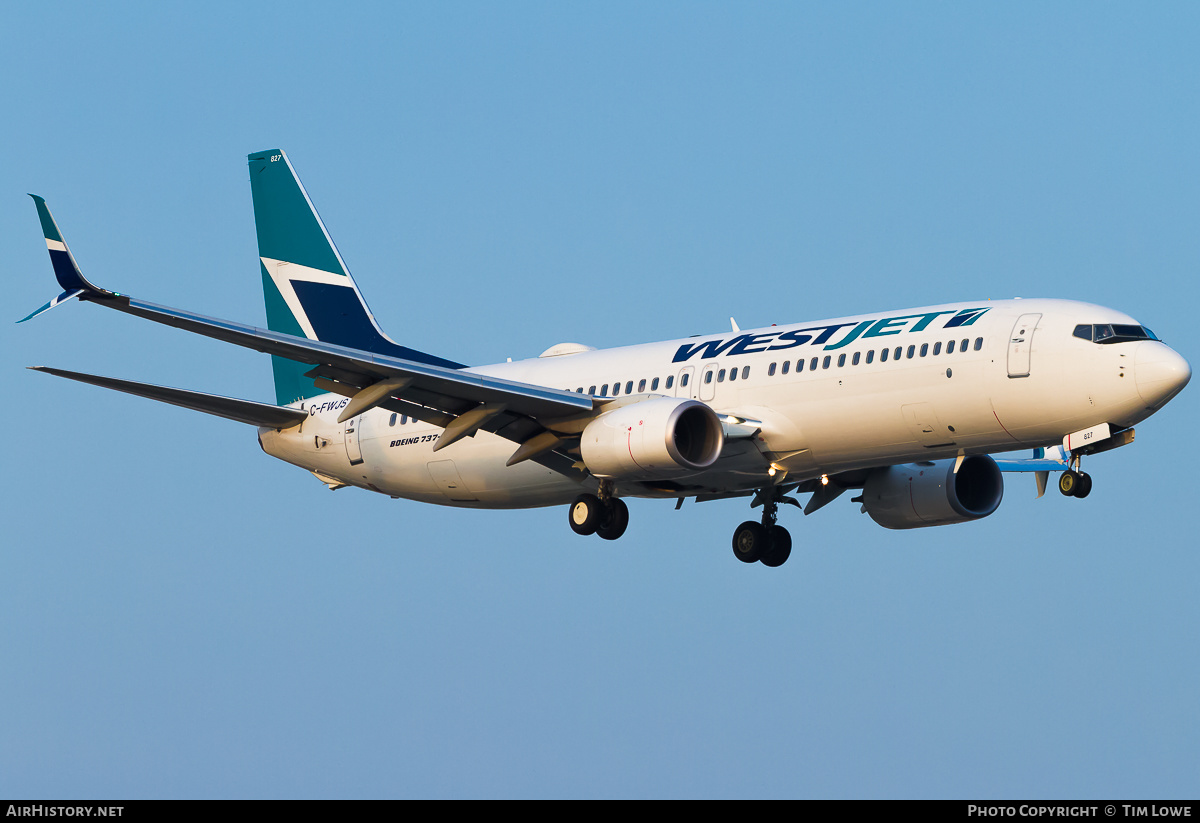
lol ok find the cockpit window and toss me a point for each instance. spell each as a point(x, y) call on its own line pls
point(1113, 333)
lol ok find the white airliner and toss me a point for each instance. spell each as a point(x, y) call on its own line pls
point(905, 406)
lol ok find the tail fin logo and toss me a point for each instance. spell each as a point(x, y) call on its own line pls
point(290, 280)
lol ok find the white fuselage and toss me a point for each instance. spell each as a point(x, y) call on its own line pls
point(969, 378)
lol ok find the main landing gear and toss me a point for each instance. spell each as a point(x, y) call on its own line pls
point(1075, 483)
point(605, 515)
point(764, 542)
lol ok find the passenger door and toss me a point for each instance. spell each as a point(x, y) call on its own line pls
point(1020, 343)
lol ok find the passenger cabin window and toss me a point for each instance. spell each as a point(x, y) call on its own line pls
point(671, 379)
point(911, 351)
point(654, 384)
point(683, 379)
point(841, 360)
point(604, 390)
point(937, 348)
point(963, 345)
point(812, 364)
point(641, 385)
point(826, 362)
point(733, 374)
point(856, 356)
point(787, 364)
point(708, 375)
point(617, 388)
point(392, 422)
point(745, 372)
point(924, 349)
point(721, 376)
point(978, 343)
point(883, 355)
point(629, 387)
point(771, 370)
point(950, 347)
point(870, 357)
point(591, 389)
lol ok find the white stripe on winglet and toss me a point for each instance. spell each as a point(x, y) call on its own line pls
point(55, 245)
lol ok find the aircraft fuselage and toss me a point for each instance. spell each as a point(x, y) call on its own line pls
point(827, 397)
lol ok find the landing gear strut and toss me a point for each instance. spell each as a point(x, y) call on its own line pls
point(604, 515)
point(764, 542)
point(1075, 483)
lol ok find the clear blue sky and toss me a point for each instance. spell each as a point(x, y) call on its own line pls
point(181, 616)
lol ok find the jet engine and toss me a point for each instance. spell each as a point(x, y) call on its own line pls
point(654, 438)
point(913, 495)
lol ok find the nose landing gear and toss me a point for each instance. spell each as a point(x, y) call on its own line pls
point(1075, 483)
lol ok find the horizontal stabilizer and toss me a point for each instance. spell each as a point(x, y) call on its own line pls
point(243, 411)
point(1032, 465)
point(1053, 459)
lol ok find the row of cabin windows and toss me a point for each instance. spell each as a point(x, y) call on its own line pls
point(895, 354)
point(669, 383)
point(898, 353)
point(733, 374)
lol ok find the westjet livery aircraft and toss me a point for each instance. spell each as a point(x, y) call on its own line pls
point(904, 406)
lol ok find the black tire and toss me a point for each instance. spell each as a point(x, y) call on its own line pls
point(750, 541)
point(584, 514)
point(780, 549)
point(617, 521)
point(1084, 487)
point(1067, 483)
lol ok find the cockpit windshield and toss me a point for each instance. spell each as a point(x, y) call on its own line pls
point(1113, 333)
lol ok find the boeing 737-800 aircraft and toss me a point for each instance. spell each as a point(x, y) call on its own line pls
point(903, 406)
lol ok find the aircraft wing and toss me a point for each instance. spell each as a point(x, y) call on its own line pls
point(438, 387)
point(460, 400)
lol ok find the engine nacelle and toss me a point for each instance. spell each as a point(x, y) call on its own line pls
point(913, 495)
point(654, 438)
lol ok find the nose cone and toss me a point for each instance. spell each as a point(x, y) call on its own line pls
point(1161, 373)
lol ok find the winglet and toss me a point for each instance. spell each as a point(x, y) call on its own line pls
point(65, 268)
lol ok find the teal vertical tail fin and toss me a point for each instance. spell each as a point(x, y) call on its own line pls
point(307, 288)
